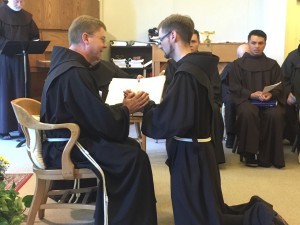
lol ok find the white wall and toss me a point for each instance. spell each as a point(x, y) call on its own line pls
point(230, 19)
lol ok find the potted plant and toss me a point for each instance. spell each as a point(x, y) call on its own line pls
point(12, 206)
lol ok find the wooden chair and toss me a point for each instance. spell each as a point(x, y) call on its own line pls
point(27, 112)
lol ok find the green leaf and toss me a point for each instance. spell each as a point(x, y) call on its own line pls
point(17, 219)
point(3, 221)
point(2, 185)
point(27, 200)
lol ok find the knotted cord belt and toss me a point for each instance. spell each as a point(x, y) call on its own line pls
point(191, 140)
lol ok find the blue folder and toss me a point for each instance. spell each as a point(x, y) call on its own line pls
point(264, 104)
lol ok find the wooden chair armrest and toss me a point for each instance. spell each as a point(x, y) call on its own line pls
point(68, 168)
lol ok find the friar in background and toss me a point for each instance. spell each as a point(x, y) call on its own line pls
point(184, 118)
point(105, 71)
point(16, 24)
point(291, 73)
point(259, 129)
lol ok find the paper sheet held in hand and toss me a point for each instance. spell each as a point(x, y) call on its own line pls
point(270, 87)
point(152, 85)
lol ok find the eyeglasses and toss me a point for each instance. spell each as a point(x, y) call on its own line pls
point(103, 39)
point(163, 37)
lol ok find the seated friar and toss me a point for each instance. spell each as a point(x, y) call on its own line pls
point(259, 131)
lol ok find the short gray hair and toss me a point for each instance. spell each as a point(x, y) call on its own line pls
point(81, 25)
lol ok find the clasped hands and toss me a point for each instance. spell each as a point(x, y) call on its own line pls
point(135, 102)
point(261, 96)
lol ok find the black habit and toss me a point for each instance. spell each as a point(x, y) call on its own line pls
point(230, 114)
point(259, 130)
point(291, 73)
point(70, 94)
point(186, 112)
point(14, 26)
point(218, 128)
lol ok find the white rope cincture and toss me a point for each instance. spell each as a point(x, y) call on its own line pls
point(90, 158)
point(202, 140)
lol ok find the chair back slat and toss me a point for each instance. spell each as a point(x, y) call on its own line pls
point(24, 109)
point(27, 112)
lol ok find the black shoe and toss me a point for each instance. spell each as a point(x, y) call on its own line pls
point(278, 220)
point(265, 165)
point(230, 141)
point(6, 136)
point(250, 159)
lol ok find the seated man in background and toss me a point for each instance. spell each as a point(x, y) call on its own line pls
point(71, 95)
point(291, 74)
point(105, 71)
point(230, 113)
point(259, 130)
point(216, 85)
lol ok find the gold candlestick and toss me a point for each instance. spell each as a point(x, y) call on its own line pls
point(207, 33)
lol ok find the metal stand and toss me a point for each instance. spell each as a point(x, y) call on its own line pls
point(23, 140)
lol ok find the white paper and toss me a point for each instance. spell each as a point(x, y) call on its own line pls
point(270, 87)
point(152, 85)
point(118, 43)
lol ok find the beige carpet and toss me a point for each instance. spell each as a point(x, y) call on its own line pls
point(278, 186)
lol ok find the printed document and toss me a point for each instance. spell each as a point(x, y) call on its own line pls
point(270, 87)
point(152, 85)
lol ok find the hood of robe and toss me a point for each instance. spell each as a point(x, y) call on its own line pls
point(206, 61)
point(11, 17)
point(61, 55)
point(256, 63)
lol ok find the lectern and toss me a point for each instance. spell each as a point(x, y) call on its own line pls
point(24, 48)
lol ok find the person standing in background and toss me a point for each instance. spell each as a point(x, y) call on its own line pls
point(16, 24)
point(216, 85)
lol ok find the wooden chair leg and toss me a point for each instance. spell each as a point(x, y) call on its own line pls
point(37, 200)
point(41, 212)
point(141, 137)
